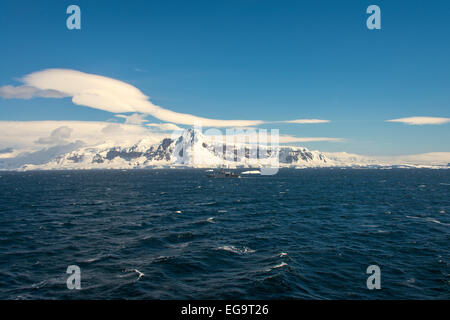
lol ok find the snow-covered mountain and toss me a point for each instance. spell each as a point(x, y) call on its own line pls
point(193, 149)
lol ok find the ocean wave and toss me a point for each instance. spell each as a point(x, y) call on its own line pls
point(281, 265)
point(429, 220)
point(233, 249)
point(39, 284)
point(92, 260)
point(139, 273)
point(211, 203)
point(437, 221)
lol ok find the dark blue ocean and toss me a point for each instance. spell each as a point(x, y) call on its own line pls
point(302, 234)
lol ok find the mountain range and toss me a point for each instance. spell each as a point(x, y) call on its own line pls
point(192, 149)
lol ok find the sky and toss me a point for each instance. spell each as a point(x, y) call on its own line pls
point(162, 65)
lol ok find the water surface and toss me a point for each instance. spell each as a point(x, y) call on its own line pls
point(304, 234)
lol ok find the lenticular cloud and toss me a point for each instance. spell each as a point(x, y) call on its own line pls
point(108, 94)
point(115, 96)
point(421, 120)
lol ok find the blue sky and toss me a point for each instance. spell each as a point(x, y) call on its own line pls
point(265, 60)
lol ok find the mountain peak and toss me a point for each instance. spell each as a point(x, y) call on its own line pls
point(191, 135)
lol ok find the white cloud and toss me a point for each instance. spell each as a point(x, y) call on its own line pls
point(421, 120)
point(23, 135)
point(165, 126)
point(112, 128)
point(57, 136)
point(28, 92)
point(307, 121)
point(135, 118)
point(432, 158)
point(106, 94)
point(6, 150)
point(292, 139)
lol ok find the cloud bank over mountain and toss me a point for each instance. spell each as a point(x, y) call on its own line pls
point(191, 148)
point(125, 102)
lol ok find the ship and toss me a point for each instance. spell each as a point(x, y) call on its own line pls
point(223, 174)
